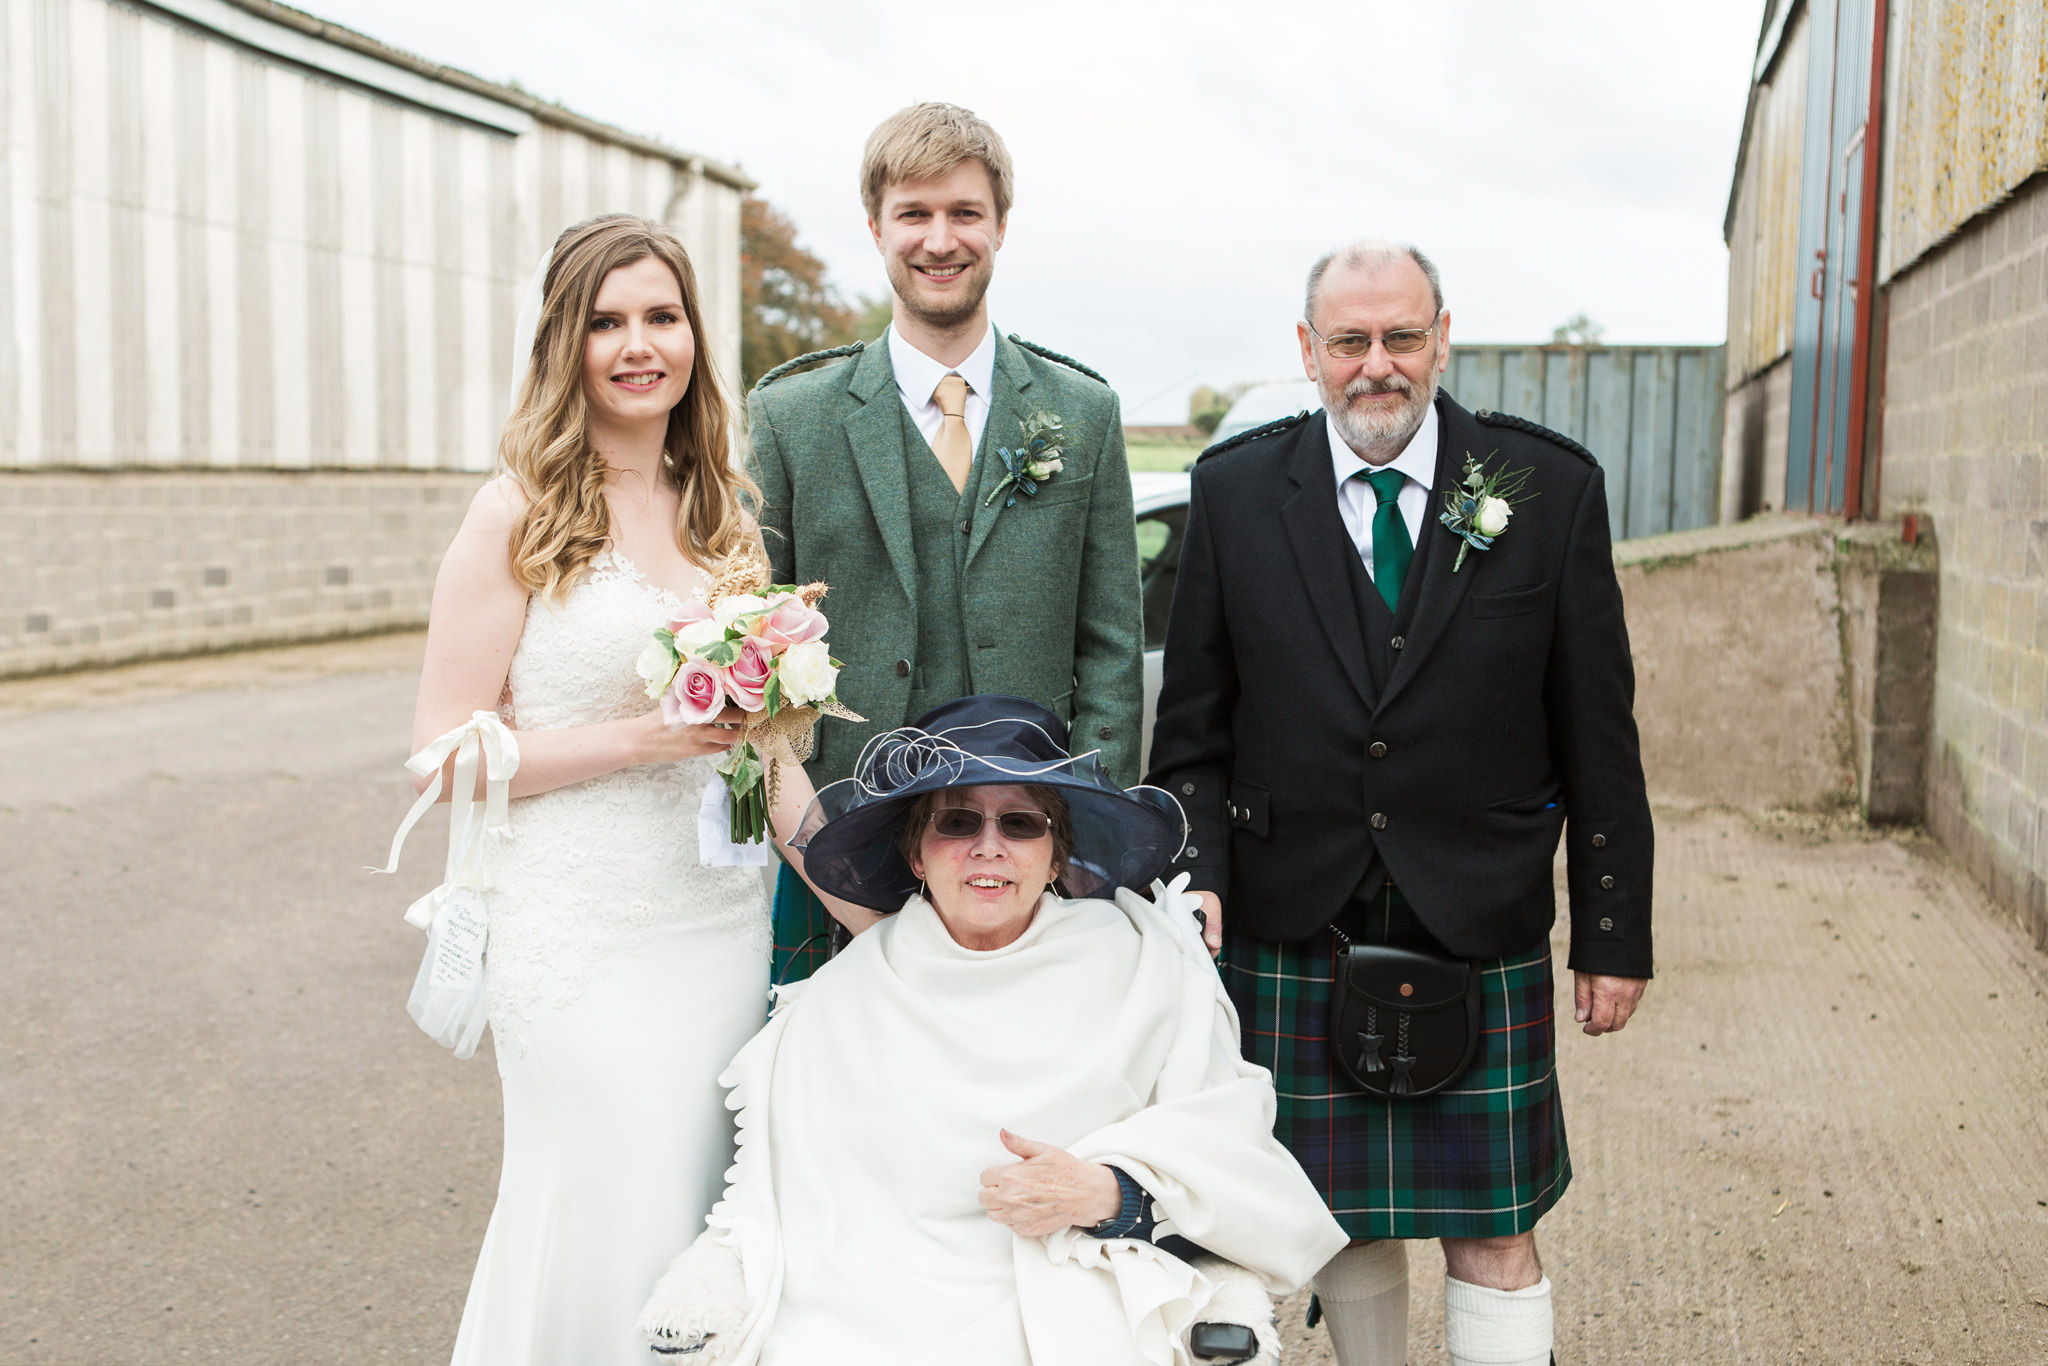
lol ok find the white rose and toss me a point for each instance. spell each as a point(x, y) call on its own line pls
point(807, 673)
point(657, 665)
point(698, 634)
point(1492, 518)
point(1044, 469)
point(735, 605)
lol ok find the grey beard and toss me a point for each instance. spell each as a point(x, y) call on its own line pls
point(1377, 437)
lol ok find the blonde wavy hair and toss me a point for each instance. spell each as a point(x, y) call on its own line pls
point(546, 444)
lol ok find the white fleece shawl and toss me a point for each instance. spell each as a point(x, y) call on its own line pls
point(870, 1103)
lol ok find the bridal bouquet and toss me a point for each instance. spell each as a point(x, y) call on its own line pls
point(761, 648)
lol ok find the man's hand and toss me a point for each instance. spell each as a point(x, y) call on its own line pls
point(1212, 921)
point(1048, 1191)
point(1603, 1004)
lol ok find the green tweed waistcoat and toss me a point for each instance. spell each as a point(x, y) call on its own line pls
point(1046, 588)
point(937, 512)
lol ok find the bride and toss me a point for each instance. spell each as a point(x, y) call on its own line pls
point(621, 975)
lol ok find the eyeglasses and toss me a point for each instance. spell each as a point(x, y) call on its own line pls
point(962, 822)
point(1404, 342)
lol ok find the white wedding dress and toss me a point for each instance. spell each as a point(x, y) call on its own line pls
point(622, 978)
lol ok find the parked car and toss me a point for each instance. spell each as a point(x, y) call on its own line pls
point(1263, 403)
point(1161, 505)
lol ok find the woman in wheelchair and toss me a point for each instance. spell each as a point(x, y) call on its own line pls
point(1010, 1125)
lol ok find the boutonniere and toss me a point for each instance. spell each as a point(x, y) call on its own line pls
point(1477, 510)
point(1035, 461)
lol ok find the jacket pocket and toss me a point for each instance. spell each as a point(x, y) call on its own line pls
point(1250, 805)
point(1513, 603)
point(1061, 488)
point(1540, 800)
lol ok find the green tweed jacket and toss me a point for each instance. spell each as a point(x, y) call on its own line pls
point(1049, 585)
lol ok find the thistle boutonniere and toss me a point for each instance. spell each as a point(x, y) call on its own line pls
point(1036, 459)
point(1478, 508)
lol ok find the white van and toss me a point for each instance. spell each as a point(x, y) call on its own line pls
point(1265, 403)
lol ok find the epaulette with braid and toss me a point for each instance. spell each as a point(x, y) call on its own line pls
point(801, 361)
point(1278, 425)
point(1523, 424)
point(1035, 349)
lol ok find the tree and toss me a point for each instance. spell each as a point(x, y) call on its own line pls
point(1207, 406)
point(876, 314)
point(787, 306)
point(1577, 330)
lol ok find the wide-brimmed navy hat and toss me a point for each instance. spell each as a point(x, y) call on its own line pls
point(850, 830)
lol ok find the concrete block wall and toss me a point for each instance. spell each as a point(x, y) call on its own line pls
point(100, 568)
point(1754, 433)
point(1966, 441)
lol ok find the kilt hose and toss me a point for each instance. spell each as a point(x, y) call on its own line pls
point(1484, 1157)
point(803, 939)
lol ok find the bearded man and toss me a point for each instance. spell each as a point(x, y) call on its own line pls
point(965, 494)
point(1396, 671)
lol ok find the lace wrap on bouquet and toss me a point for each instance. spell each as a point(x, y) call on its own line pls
point(585, 873)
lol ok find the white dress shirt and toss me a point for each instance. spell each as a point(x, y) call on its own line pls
point(1356, 502)
point(917, 375)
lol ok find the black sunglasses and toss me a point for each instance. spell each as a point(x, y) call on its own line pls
point(964, 822)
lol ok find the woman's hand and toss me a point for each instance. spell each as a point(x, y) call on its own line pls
point(1048, 1191)
point(654, 742)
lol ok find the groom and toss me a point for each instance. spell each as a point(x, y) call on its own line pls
point(954, 569)
point(1377, 744)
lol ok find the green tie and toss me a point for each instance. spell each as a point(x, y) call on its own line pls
point(1391, 548)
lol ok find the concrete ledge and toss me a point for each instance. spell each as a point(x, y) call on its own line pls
point(1653, 552)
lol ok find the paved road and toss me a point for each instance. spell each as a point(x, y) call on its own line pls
point(1824, 1140)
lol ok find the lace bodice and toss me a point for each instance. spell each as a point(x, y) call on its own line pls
point(584, 873)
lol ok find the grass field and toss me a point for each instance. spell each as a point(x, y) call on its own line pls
point(1169, 456)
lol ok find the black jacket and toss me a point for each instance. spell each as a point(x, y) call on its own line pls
point(1319, 743)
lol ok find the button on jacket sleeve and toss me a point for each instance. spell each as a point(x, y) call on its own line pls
point(1589, 698)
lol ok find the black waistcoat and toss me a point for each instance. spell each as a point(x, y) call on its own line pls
point(1381, 628)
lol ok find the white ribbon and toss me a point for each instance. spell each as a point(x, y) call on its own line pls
point(483, 738)
point(715, 845)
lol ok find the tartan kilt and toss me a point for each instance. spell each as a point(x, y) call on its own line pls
point(802, 929)
point(1485, 1157)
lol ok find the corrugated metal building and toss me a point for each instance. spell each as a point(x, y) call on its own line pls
point(1888, 362)
point(241, 241)
point(1762, 231)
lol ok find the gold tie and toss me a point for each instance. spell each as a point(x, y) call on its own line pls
point(953, 446)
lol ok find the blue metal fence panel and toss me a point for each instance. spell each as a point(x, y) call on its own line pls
point(1608, 380)
point(1564, 397)
point(1696, 487)
point(1650, 414)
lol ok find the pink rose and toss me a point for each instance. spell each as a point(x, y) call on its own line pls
point(790, 623)
point(693, 610)
point(695, 697)
point(746, 678)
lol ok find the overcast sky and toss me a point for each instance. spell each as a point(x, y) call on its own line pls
point(1179, 165)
